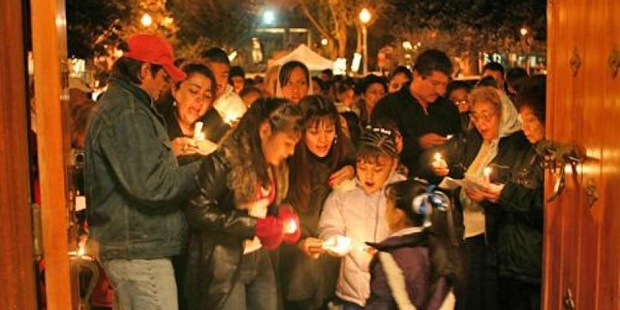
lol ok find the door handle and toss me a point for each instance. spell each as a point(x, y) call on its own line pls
point(569, 303)
point(614, 63)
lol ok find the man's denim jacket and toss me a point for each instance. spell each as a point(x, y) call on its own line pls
point(135, 189)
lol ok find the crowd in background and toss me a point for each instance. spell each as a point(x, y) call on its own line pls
point(303, 190)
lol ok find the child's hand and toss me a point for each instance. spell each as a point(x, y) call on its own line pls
point(312, 247)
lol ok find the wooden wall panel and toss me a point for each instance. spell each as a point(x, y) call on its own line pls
point(591, 139)
point(50, 78)
point(551, 263)
point(16, 237)
point(584, 109)
point(609, 289)
point(564, 107)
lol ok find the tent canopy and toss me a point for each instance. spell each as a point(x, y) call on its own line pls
point(303, 53)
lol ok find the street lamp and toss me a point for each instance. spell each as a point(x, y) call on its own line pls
point(365, 17)
point(269, 17)
point(526, 38)
point(146, 20)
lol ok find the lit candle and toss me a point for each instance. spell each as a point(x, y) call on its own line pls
point(291, 227)
point(487, 174)
point(438, 161)
point(449, 137)
point(230, 119)
point(437, 156)
point(198, 134)
point(338, 244)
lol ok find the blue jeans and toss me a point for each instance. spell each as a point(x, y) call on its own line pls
point(255, 284)
point(143, 284)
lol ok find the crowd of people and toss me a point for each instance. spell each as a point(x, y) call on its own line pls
point(209, 190)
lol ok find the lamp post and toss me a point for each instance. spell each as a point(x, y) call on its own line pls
point(365, 17)
point(526, 41)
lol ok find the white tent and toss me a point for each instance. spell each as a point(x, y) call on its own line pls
point(303, 53)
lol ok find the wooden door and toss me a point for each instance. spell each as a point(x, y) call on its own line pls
point(16, 241)
point(49, 48)
point(581, 251)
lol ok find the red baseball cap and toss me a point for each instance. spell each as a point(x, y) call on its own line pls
point(154, 50)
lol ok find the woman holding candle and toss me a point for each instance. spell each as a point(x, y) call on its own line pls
point(190, 99)
point(495, 142)
point(519, 245)
point(235, 218)
point(322, 161)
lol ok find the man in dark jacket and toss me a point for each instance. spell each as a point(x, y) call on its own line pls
point(425, 118)
point(134, 185)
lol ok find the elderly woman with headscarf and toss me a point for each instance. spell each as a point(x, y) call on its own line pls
point(479, 157)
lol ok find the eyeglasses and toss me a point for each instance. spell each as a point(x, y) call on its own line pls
point(461, 102)
point(485, 117)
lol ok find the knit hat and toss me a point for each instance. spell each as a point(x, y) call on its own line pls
point(152, 49)
point(377, 139)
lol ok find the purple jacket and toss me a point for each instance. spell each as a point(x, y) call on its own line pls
point(411, 253)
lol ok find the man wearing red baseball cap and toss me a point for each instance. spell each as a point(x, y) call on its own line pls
point(134, 186)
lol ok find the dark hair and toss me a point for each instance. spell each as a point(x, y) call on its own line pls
point(355, 128)
point(387, 123)
point(372, 79)
point(401, 69)
point(345, 85)
point(456, 85)
point(493, 66)
point(128, 70)
point(515, 77)
point(403, 193)
point(282, 115)
point(236, 71)
point(80, 116)
point(198, 68)
point(533, 95)
point(287, 69)
point(488, 81)
point(433, 60)
point(248, 90)
point(315, 108)
point(376, 141)
point(216, 55)
point(328, 72)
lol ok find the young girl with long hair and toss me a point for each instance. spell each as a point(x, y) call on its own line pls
point(236, 216)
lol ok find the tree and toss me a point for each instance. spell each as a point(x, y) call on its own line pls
point(464, 27)
point(87, 21)
point(334, 18)
point(95, 27)
point(223, 23)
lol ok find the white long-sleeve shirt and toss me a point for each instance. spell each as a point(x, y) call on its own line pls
point(361, 217)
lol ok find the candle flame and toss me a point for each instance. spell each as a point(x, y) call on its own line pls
point(198, 134)
point(230, 119)
point(487, 171)
point(338, 244)
point(291, 227)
